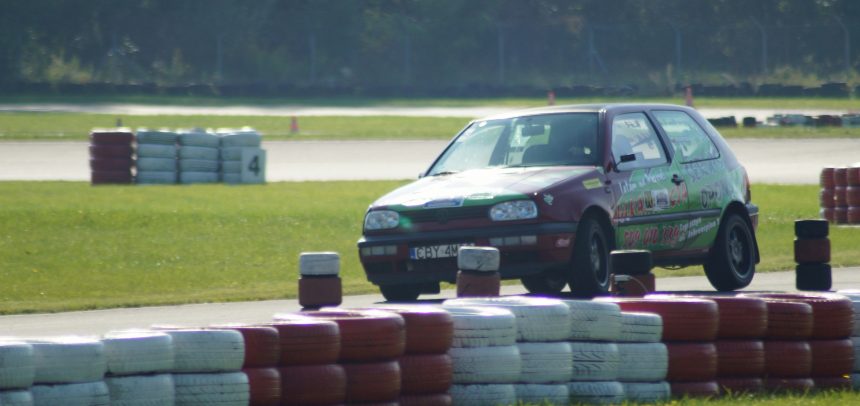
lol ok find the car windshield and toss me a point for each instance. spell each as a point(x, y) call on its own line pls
point(540, 140)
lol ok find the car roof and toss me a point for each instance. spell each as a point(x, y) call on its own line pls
point(582, 108)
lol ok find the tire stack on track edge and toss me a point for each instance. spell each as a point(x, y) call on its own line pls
point(319, 280)
point(233, 143)
point(156, 157)
point(138, 367)
point(740, 345)
point(644, 359)
point(478, 274)
point(111, 156)
point(852, 194)
point(828, 194)
point(69, 371)
point(198, 156)
point(812, 254)
point(854, 296)
point(17, 373)
point(262, 353)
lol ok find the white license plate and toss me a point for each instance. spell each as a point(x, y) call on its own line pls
point(436, 251)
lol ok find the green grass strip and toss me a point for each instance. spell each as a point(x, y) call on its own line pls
point(69, 246)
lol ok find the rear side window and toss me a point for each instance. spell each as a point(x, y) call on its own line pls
point(688, 138)
point(634, 143)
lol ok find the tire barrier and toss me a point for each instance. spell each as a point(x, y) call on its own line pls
point(300, 385)
point(691, 362)
point(595, 321)
point(429, 330)
point(646, 392)
point(262, 344)
point(235, 143)
point(812, 254)
point(642, 362)
point(441, 399)
point(212, 389)
point(156, 157)
point(787, 359)
point(372, 382)
point(207, 351)
point(799, 385)
point(136, 353)
point(264, 386)
point(788, 320)
point(550, 363)
point(740, 386)
point(111, 156)
point(833, 383)
point(707, 389)
point(17, 365)
point(482, 326)
point(542, 394)
point(68, 360)
point(198, 156)
point(840, 194)
point(307, 341)
point(483, 365)
point(425, 374)
point(640, 327)
point(538, 319)
point(484, 395)
point(831, 358)
point(319, 280)
point(739, 317)
point(833, 315)
point(140, 390)
point(72, 394)
point(366, 335)
point(595, 392)
point(595, 361)
point(478, 274)
point(740, 359)
point(684, 319)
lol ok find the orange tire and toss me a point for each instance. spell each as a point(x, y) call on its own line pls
point(684, 319)
point(833, 315)
point(740, 358)
point(312, 385)
point(262, 344)
point(439, 399)
point(306, 341)
point(264, 386)
point(736, 386)
point(832, 357)
point(691, 362)
point(707, 389)
point(788, 320)
point(789, 384)
point(787, 359)
point(366, 335)
point(429, 330)
point(425, 374)
point(372, 382)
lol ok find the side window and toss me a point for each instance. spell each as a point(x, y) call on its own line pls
point(689, 140)
point(635, 144)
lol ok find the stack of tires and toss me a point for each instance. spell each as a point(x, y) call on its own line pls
point(812, 254)
point(233, 143)
point(545, 356)
point(111, 157)
point(207, 367)
point(262, 353)
point(156, 157)
point(643, 359)
point(69, 371)
point(198, 157)
point(595, 326)
point(852, 194)
point(740, 345)
point(17, 372)
point(371, 343)
point(309, 351)
point(138, 368)
point(854, 296)
point(828, 194)
point(689, 329)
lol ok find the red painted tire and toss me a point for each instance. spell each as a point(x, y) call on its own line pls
point(833, 383)
point(111, 151)
point(853, 215)
point(840, 176)
point(788, 320)
point(429, 330)
point(320, 291)
point(832, 357)
point(840, 196)
point(787, 359)
point(478, 284)
point(741, 317)
point(736, 386)
point(372, 382)
point(789, 384)
point(740, 358)
point(853, 176)
point(306, 341)
point(114, 177)
point(840, 215)
point(425, 374)
point(111, 138)
point(827, 198)
point(302, 384)
point(707, 389)
point(262, 344)
point(828, 214)
point(367, 335)
point(684, 319)
point(115, 164)
point(852, 195)
point(826, 178)
point(439, 399)
point(264, 386)
point(812, 251)
point(691, 362)
point(833, 315)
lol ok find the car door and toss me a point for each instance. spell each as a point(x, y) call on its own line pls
point(649, 192)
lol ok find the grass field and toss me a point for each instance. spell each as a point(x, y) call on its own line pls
point(826, 398)
point(71, 126)
point(67, 245)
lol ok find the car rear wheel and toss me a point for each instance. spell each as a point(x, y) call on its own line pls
point(400, 293)
point(590, 273)
point(732, 260)
point(545, 282)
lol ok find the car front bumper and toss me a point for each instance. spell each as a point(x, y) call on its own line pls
point(525, 249)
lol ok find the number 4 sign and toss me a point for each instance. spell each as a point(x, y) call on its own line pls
point(253, 165)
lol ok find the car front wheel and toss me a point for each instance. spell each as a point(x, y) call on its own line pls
point(590, 274)
point(400, 293)
point(732, 260)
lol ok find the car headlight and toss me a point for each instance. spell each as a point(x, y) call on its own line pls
point(381, 220)
point(514, 210)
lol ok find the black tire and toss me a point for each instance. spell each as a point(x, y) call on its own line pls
point(811, 229)
point(589, 275)
point(400, 293)
point(814, 277)
point(631, 262)
point(549, 282)
point(731, 265)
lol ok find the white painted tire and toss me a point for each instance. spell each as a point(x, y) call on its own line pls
point(596, 392)
point(641, 327)
point(595, 361)
point(486, 364)
point(187, 178)
point(642, 362)
point(594, 321)
point(230, 389)
point(16, 398)
point(147, 137)
point(482, 259)
point(244, 138)
point(135, 353)
point(202, 153)
point(232, 178)
point(483, 395)
point(156, 151)
point(156, 178)
point(534, 394)
point(546, 362)
point(231, 153)
point(198, 165)
point(647, 392)
point(482, 326)
point(538, 319)
point(319, 263)
point(17, 365)
point(68, 360)
point(72, 394)
point(156, 165)
point(197, 350)
point(198, 139)
point(231, 167)
point(141, 390)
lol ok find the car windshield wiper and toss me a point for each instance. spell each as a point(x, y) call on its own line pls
point(444, 173)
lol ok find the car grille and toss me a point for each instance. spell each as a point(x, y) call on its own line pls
point(445, 215)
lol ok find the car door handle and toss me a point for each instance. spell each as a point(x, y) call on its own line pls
point(677, 179)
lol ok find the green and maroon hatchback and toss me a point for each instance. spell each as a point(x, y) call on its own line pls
point(556, 189)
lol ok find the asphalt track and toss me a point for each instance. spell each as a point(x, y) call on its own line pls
point(796, 161)
point(97, 322)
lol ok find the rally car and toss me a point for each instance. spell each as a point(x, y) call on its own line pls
point(556, 189)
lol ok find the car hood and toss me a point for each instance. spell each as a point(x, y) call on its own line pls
point(477, 187)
